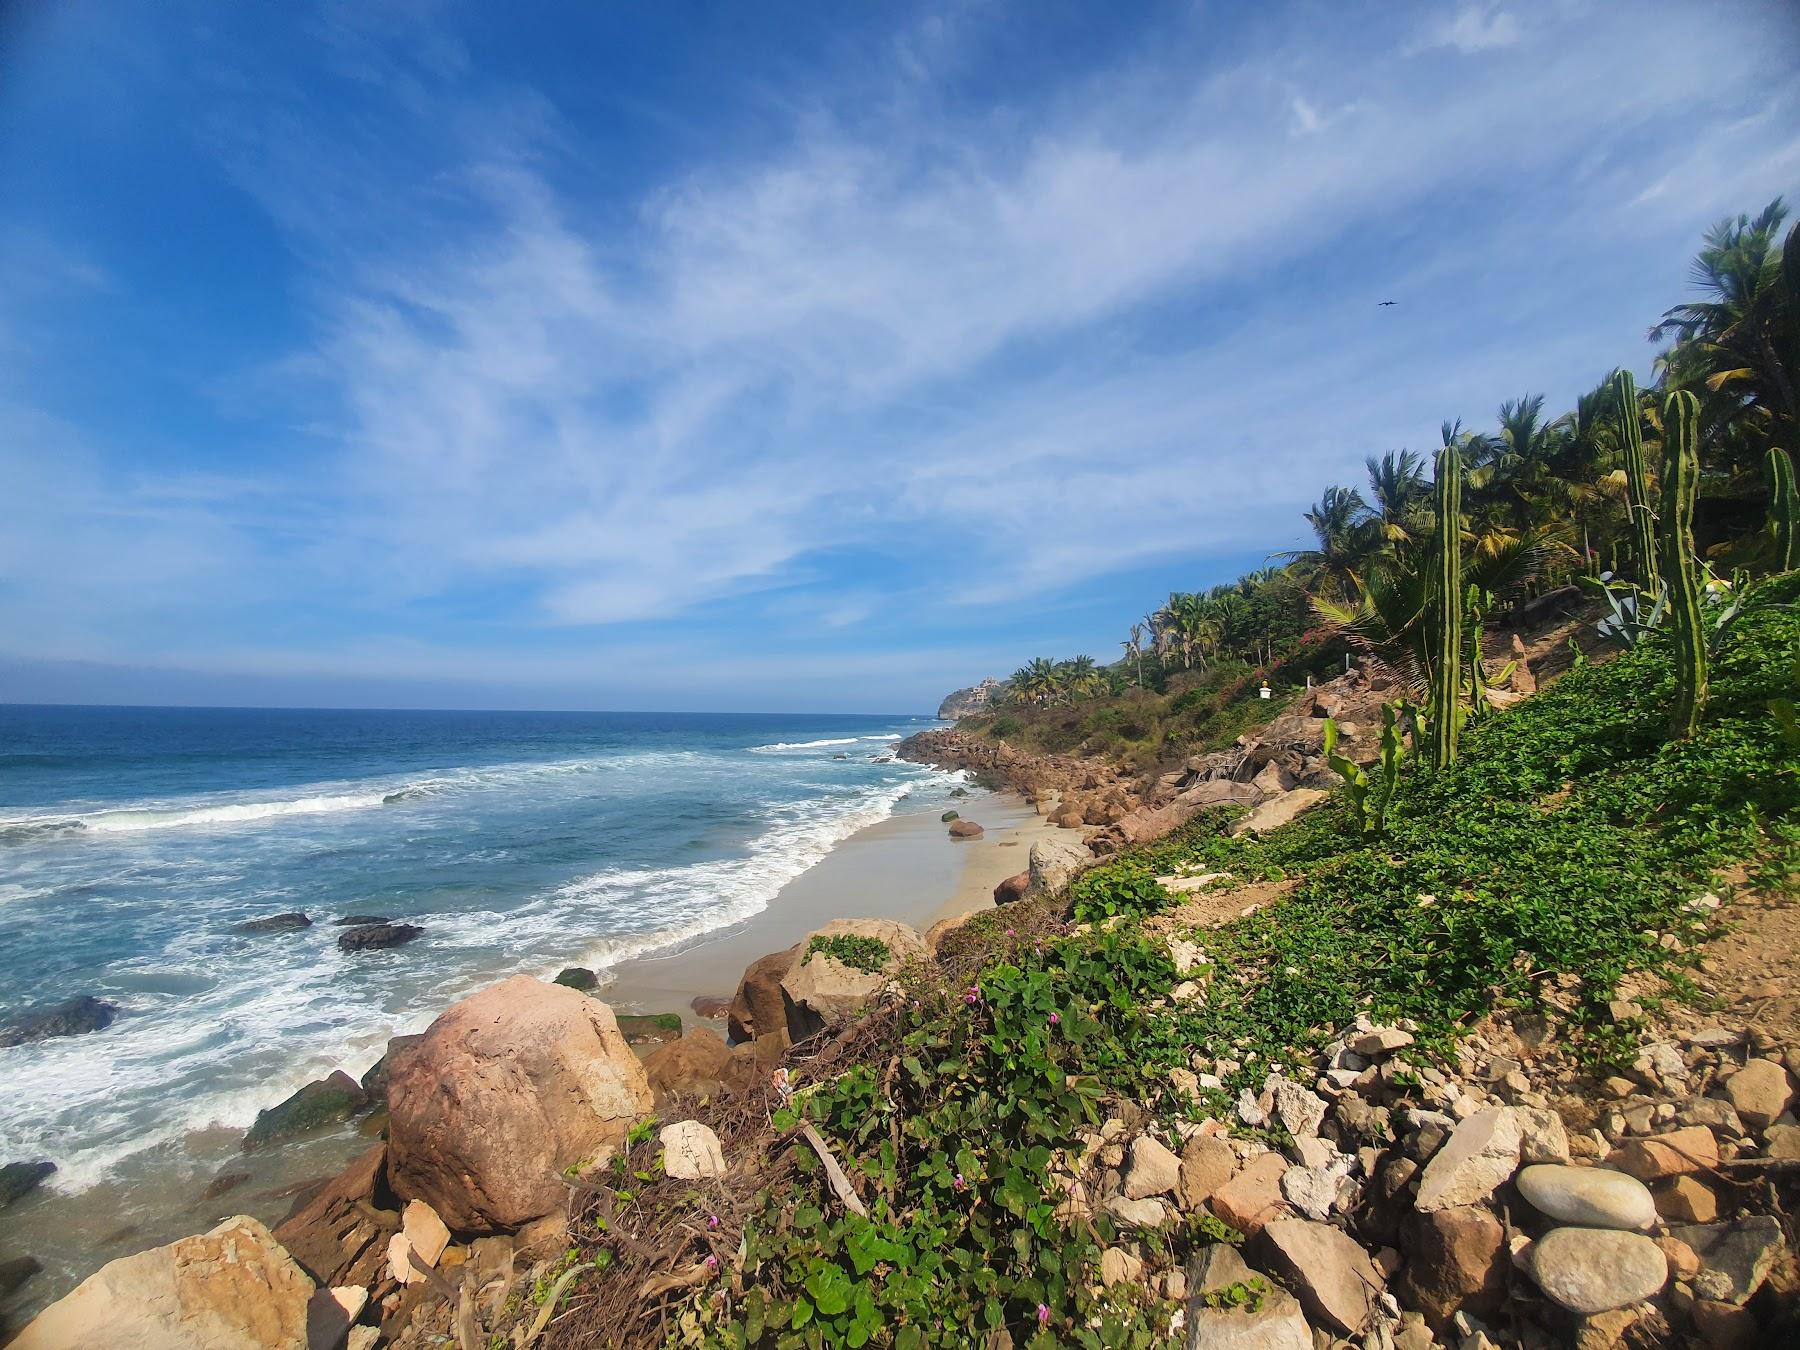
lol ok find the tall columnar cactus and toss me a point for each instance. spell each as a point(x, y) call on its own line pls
point(1637, 482)
point(1782, 510)
point(1447, 636)
point(1680, 485)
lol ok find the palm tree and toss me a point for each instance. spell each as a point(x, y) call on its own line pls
point(1038, 681)
point(1340, 527)
point(1080, 677)
point(1741, 344)
point(1134, 650)
point(1398, 492)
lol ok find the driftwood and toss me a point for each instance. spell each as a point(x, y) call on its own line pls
point(835, 1174)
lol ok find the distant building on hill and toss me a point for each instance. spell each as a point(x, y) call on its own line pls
point(972, 700)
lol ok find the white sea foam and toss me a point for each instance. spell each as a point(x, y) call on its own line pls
point(318, 799)
point(90, 1102)
point(780, 746)
point(728, 890)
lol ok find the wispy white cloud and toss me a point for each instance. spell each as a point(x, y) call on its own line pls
point(1141, 333)
point(1474, 27)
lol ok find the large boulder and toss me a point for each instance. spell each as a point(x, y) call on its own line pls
point(758, 1009)
point(821, 990)
point(1013, 888)
point(1053, 864)
point(693, 1066)
point(233, 1288)
point(508, 1088)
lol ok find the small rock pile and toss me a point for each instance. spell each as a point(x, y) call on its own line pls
point(1386, 1203)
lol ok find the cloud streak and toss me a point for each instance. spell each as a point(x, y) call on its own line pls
point(1129, 323)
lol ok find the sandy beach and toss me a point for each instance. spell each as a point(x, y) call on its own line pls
point(906, 867)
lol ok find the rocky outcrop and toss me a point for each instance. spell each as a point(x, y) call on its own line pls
point(276, 923)
point(335, 1236)
point(324, 1101)
point(819, 991)
point(70, 1018)
point(378, 936)
point(965, 702)
point(508, 1088)
point(233, 1288)
point(758, 1010)
point(19, 1179)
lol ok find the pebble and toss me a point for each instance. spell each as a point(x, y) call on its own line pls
point(1759, 1092)
point(1594, 1270)
point(1591, 1196)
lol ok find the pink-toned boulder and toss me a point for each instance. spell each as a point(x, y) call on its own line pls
point(508, 1088)
point(1013, 888)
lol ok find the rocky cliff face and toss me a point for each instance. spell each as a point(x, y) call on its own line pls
point(966, 701)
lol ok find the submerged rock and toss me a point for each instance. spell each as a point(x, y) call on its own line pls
point(71, 1018)
point(325, 1101)
point(19, 1179)
point(649, 1028)
point(360, 920)
point(231, 1287)
point(15, 1272)
point(376, 936)
point(276, 923)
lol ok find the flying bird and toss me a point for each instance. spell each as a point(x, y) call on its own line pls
point(1381, 304)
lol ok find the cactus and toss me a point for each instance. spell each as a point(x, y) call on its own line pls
point(1637, 482)
point(1680, 485)
point(1782, 509)
point(1447, 639)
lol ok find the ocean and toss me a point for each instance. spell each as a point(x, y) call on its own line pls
point(135, 841)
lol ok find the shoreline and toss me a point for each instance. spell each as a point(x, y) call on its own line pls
point(887, 870)
point(904, 867)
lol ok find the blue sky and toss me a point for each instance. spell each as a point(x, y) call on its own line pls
point(780, 356)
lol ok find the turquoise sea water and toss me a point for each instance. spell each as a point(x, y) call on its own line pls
point(133, 841)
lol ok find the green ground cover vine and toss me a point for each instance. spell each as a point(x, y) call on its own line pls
point(867, 954)
point(1557, 854)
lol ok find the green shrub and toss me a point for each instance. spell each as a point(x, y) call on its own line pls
point(867, 954)
point(1124, 888)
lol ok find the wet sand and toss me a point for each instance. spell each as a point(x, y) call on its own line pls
point(905, 867)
